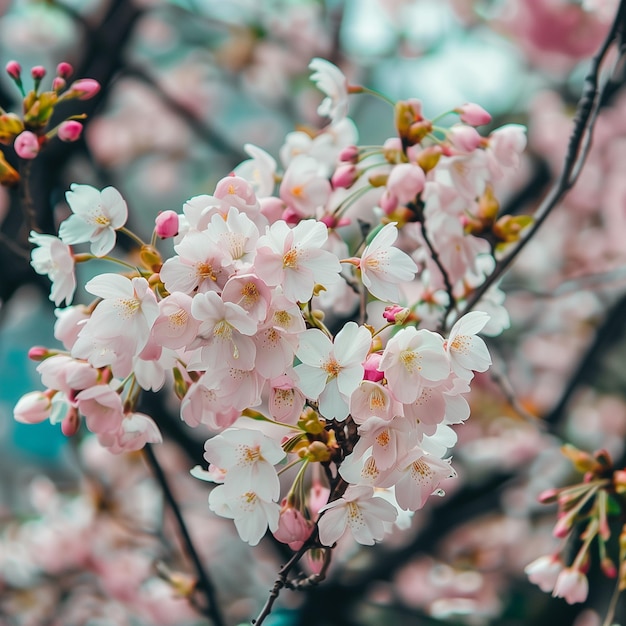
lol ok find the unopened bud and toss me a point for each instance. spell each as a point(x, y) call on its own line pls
point(371, 371)
point(350, 154)
point(83, 89)
point(70, 130)
point(58, 84)
point(344, 176)
point(166, 224)
point(70, 423)
point(14, 70)
point(64, 70)
point(473, 114)
point(608, 567)
point(38, 353)
point(318, 452)
point(26, 145)
point(395, 314)
point(38, 72)
point(548, 496)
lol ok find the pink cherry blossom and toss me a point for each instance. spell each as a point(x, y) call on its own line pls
point(411, 359)
point(197, 266)
point(331, 372)
point(545, 571)
point(223, 335)
point(383, 267)
point(571, 585)
point(359, 512)
point(259, 170)
point(416, 477)
point(304, 187)
point(466, 351)
point(134, 432)
point(102, 407)
point(294, 259)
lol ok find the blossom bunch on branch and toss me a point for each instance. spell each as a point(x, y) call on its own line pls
point(310, 316)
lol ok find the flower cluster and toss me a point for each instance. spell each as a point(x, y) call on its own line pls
point(29, 132)
point(584, 513)
point(312, 316)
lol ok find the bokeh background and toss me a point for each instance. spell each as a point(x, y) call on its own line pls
point(84, 538)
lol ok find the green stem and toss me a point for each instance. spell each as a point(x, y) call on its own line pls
point(131, 234)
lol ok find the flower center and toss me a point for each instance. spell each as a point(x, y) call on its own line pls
point(411, 360)
point(332, 368)
point(290, 259)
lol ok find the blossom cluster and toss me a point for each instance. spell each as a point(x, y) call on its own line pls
point(312, 316)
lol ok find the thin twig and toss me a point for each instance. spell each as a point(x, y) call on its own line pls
point(444, 272)
point(586, 115)
point(281, 581)
point(212, 611)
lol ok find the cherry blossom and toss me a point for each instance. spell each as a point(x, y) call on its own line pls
point(333, 83)
point(54, 258)
point(468, 352)
point(294, 259)
point(413, 358)
point(383, 267)
point(96, 215)
point(330, 373)
point(359, 512)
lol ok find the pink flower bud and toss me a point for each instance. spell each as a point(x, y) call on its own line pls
point(406, 181)
point(166, 224)
point(84, 88)
point(64, 70)
point(372, 362)
point(38, 353)
point(14, 70)
point(395, 314)
point(465, 138)
point(26, 145)
point(345, 176)
point(292, 529)
point(70, 130)
point(473, 114)
point(388, 202)
point(58, 84)
point(38, 72)
point(32, 408)
point(70, 423)
point(350, 154)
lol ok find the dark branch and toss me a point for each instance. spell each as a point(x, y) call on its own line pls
point(580, 141)
point(205, 583)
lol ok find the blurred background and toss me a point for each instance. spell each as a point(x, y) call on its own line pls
point(83, 535)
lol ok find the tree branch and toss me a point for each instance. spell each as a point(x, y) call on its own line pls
point(205, 584)
point(579, 143)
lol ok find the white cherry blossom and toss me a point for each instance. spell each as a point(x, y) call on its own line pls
point(96, 215)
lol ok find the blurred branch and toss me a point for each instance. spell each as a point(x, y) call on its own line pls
point(607, 335)
point(199, 127)
point(580, 141)
point(212, 610)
